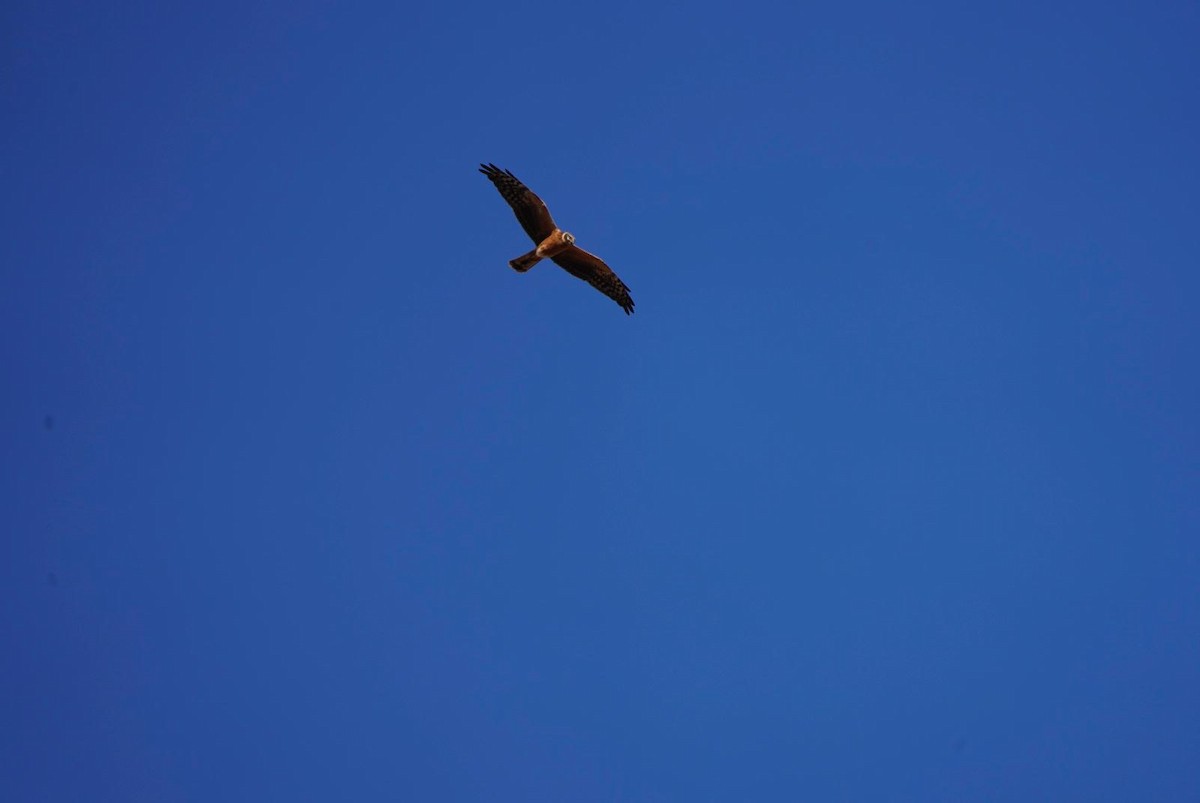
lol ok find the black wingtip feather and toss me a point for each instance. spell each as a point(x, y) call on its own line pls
point(490, 170)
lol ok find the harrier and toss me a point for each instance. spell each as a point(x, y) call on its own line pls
point(552, 242)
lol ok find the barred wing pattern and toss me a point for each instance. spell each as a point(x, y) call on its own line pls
point(591, 269)
point(529, 209)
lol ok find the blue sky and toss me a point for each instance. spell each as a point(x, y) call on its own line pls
point(889, 490)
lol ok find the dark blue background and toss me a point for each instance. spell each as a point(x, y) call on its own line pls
point(888, 492)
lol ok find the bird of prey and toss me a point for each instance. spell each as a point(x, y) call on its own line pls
point(552, 242)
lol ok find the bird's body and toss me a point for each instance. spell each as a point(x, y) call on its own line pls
point(552, 246)
point(552, 242)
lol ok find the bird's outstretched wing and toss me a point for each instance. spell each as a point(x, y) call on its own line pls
point(591, 269)
point(531, 212)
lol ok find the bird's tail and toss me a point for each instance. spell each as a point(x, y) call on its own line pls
point(525, 261)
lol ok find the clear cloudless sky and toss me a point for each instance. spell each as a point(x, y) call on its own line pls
point(890, 490)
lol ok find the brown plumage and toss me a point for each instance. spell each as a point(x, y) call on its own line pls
point(552, 242)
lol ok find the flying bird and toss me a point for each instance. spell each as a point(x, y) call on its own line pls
point(552, 242)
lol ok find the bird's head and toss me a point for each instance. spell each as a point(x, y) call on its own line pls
point(568, 238)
